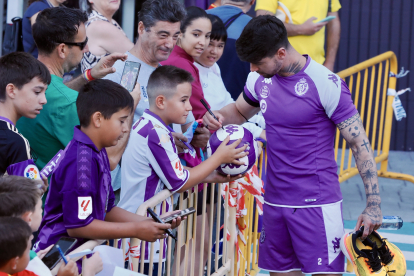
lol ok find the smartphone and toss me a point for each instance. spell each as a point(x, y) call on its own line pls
point(130, 75)
point(327, 19)
point(53, 257)
point(183, 213)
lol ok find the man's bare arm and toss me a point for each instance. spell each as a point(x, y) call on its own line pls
point(332, 40)
point(234, 113)
point(353, 132)
point(100, 70)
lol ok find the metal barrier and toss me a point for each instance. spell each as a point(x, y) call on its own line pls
point(376, 114)
point(187, 232)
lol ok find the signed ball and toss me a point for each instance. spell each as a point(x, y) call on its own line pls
point(235, 132)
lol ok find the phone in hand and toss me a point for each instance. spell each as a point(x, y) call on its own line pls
point(327, 19)
point(182, 214)
point(53, 257)
point(130, 75)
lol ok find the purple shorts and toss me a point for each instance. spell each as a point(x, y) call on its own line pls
point(305, 239)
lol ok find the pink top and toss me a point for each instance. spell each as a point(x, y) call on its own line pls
point(181, 59)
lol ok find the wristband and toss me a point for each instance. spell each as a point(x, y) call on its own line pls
point(87, 75)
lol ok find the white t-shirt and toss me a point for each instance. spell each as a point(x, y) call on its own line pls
point(218, 97)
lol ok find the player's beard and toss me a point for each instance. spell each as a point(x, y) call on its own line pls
point(276, 68)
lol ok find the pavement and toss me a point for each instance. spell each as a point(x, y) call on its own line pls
point(397, 199)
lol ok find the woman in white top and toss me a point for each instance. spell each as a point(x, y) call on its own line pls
point(105, 36)
point(214, 90)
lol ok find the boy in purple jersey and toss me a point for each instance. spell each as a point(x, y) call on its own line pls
point(23, 82)
point(303, 103)
point(150, 162)
point(80, 202)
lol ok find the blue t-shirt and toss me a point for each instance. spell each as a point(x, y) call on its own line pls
point(28, 42)
point(234, 72)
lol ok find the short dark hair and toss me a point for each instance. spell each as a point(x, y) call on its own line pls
point(262, 37)
point(56, 25)
point(166, 77)
point(193, 13)
point(218, 30)
point(103, 96)
point(14, 235)
point(20, 68)
point(152, 11)
point(18, 195)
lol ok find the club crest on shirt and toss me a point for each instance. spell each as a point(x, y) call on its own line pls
point(84, 207)
point(32, 172)
point(265, 92)
point(301, 87)
point(263, 106)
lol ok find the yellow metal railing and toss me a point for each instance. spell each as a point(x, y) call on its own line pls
point(375, 108)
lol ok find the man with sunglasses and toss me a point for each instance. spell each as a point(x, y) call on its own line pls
point(61, 39)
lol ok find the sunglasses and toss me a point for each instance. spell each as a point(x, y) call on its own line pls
point(81, 45)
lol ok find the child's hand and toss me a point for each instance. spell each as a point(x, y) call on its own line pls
point(216, 177)
point(93, 265)
point(42, 253)
point(153, 230)
point(229, 153)
point(71, 269)
point(177, 221)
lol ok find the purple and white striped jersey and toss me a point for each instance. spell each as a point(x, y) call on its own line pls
point(150, 164)
point(301, 114)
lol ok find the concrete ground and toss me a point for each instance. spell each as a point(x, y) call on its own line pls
point(397, 196)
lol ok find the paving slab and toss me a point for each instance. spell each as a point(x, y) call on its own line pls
point(397, 196)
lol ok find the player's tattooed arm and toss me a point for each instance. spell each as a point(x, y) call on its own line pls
point(353, 132)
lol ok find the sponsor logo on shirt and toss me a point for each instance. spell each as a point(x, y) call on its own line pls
point(333, 78)
point(264, 92)
point(84, 207)
point(267, 81)
point(178, 168)
point(301, 87)
point(32, 172)
point(164, 138)
point(263, 106)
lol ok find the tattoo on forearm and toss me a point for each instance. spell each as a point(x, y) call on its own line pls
point(372, 194)
point(366, 144)
point(292, 68)
point(369, 174)
point(349, 121)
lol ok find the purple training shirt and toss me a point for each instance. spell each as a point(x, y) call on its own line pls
point(301, 114)
point(80, 191)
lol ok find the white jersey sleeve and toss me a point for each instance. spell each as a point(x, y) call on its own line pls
point(163, 158)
